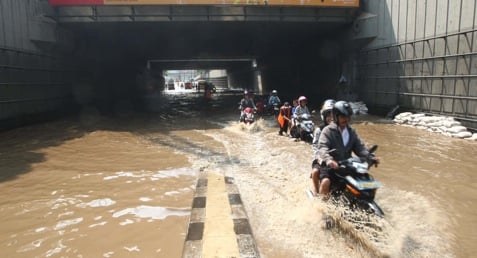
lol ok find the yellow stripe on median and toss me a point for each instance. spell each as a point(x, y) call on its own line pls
point(219, 239)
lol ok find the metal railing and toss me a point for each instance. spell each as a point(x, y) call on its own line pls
point(443, 72)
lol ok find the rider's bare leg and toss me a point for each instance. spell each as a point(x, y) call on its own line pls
point(315, 177)
point(325, 188)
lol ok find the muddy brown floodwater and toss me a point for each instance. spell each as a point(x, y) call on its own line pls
point(94, 186)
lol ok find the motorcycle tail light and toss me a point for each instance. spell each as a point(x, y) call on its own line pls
point(352, 190)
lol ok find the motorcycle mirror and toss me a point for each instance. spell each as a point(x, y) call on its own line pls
point(373, 148)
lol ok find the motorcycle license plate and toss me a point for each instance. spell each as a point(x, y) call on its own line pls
point(368, 184)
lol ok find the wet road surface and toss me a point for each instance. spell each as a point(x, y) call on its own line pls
point(99, 186)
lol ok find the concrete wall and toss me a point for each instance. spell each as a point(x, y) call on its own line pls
point(33, 74)
point(423, 58)
point(420, 55)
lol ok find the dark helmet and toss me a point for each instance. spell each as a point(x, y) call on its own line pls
point(327, 108)
point(342, 108)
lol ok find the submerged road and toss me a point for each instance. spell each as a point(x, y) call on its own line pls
point(100, 186)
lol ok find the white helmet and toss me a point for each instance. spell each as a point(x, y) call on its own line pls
point(301, 98)
point(274, 92)
point(326, 108)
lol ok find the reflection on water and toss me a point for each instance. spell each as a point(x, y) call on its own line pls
point(91, 193)
point(151, 212)
point(97, 186)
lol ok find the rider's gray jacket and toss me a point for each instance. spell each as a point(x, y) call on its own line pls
point(330, 138)
point(245, 103)
point(299, 110)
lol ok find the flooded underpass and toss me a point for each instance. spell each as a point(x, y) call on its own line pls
point(94, 186)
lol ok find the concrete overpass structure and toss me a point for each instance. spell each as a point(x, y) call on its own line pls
point(62, 53)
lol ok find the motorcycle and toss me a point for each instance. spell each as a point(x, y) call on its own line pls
point(273, 109)
point(260, 107)
point(304, 128)
point(248, 116)
point(355, 187)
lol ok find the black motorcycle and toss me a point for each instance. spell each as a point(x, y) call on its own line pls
point(272, 109)
point(355, 187)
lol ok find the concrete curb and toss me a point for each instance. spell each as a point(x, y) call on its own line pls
point(193, 246)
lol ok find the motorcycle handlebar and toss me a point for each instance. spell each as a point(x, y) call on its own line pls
point(371, 159)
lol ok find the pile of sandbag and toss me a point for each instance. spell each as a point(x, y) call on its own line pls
point(359, 108)
point(440, 124)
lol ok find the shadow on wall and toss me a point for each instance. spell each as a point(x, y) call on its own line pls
point(311, 68)
point(375, 70)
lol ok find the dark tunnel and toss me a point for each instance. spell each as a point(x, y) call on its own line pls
point(293, 57)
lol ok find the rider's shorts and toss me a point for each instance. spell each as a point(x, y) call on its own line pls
point(325, 172)
point(315, 164)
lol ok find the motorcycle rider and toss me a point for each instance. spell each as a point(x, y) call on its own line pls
point(246, 102)
point(259, 103)
point(299, 111)
point(294, 105)
point(273, 100)
point(208, 89)
point(326, 118)
point(285, 113)
point(337, 141)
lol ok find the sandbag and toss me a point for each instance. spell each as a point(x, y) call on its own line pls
point(457, 129)
point(464, 134)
